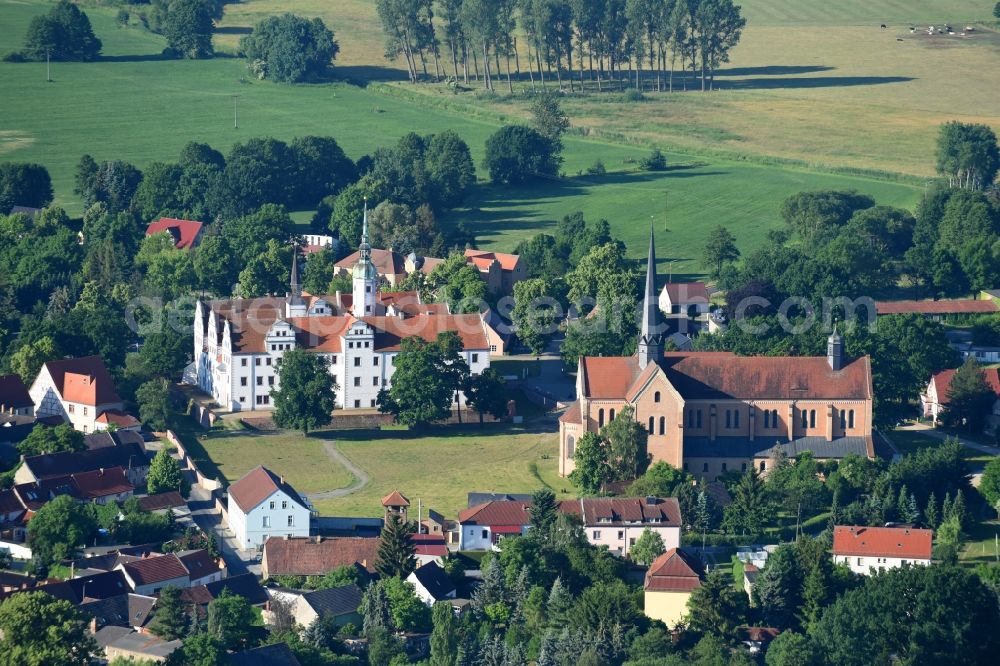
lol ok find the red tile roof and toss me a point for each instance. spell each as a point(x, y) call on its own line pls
point(904, 542)
point(942, 381)
point(156, 569)
point(166, 500)
point(395, 498)
point(430, 545)
point(572, 413)
point(958, 306)
point(199, 563)
point(686, 292)
point(256, 486)
point(13, 393)
point(83, 380)
point(118, 418)
point(390, 331)
point(498, 513)
point(507, 261)
point(387, 262)
point(184, 232)
point(102, 483)
point(666, 512)
point(725, 375)
point(674, 571)
point(314, 556)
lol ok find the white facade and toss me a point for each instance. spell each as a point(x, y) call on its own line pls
point(277, 515)
point(620, 538)
point(484, 537)
point(49, 402)
point(864, 564)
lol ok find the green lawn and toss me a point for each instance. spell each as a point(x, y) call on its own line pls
point(981, 547)
point(441, 467)
point(134, 106)
point(910, 441)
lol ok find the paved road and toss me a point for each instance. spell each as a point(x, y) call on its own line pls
point(210, 521)
point(361, 477)
point(925, 429)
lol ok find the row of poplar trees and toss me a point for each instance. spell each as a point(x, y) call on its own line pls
point(607, 44)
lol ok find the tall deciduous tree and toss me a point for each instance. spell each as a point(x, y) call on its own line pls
point(751, 509)
point(517, 154)
point(420, 392)
point(591, 463)
point(486, 393)
point(720, 248)
point(164, 474)
point(45, 439)
point(970, 398)
point(446, 635)
point(154, 403)
point(626, 441)
point(40, 630)
point(231, 619)
point(717, 607)
point(967, 153)
point(57, 529)
point(188, 28)
point(289, 48)
point(24, 184)
point(62, 34)
point(647, 547)
point(306, 395)
point(536, 313)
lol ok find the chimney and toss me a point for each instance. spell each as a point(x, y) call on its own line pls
point(318, 539)
point(93, 625)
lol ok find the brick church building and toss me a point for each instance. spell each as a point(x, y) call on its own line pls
point(713, 412)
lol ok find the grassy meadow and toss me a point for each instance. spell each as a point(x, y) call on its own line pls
point(734, 154)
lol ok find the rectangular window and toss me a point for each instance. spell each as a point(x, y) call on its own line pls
point(260, 381)
point(374, 381)
point(357, 404)
point(736, 418)
point(270, 381)
point(243, 381)
point(704, 467)
point(291, 521)
point(265, 521)
point(621, 534)
point(374, 360)
point(475, 358)
point(267, 361)
point(243, 362)
point(256, 361)
point(72, 408)
point(729, 419)
point(698, 419)
point(333, 360)
point(357, 361)
point(373, 402)
point(597, 534)
point(284, 504)
point(723, 467)
point(271, 505)
point(357, 381)
point(84, 411)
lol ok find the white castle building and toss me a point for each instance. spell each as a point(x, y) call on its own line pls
point(238, 343)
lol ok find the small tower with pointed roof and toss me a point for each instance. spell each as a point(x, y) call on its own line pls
point(365, 276)
point(395, 503)
point(835, 350)
point(651, 346)
point(295, 305)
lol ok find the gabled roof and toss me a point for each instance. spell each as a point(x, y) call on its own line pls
point(95, 586)
point(335, 600)
point(257, 485)
point(674, 571)
point(958, 306)
point(244, 585)
point(663, 512)
point(102, 482)
point(184, 232)
point(434, 580)
point(106, 439)
point(118, 418)
point(387, 262)
point(475, 498)
point(507, 261)
point(707, 375)
point(942, 381)
point(13, 393)
point(167, 500)
point(198, 563)
point(686, 292)
point(395, 498)
point(315, 556)
point(123, 610)
point(156, 569)
point(496, 514)
point(48, 465)
point(83, 380)
point(903, 542)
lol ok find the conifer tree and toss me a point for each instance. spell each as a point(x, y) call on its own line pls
point(931, 512)
point(170, 621)
point(559, 605)
point(396, 549)
point(375, 612)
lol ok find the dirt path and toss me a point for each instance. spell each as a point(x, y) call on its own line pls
point(361, 477)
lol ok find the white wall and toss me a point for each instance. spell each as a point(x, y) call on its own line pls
point(862, 565)
point(251, 531)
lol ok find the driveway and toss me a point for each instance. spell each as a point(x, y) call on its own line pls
point(210, 521)
point(925, 429)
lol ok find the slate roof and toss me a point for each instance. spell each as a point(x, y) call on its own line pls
point(243, 585)
point(257, 485)
point(715, 375)
point(184, 232)
point(435, 581)
point(48, 465)
point(83, 380)
point(96, 586)
point(616, 511)
point(334, 601)
point(903, 542)
point(147, 645)
point(13, 393)
point(674, 571)
point(314, 556)
point(123, 610)
point(742, 447)
point(276, 654)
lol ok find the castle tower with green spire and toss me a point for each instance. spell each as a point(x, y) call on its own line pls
point(364, 275)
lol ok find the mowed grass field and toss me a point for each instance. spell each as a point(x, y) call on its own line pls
point(132, 105)
point(439, 466)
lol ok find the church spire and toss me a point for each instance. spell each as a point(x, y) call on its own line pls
point(650, 348)
point(295, 294)
point(365, 249)
point(365, 277)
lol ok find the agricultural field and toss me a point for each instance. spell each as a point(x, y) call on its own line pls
point(54, 123)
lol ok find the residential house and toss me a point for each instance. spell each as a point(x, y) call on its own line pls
point(312, 243)
point(500, 271)
point(118, 420)
point(104, 439)
point(244, 585)
point(617, 522)
point(750, 573)
point(499, 332)
point(340, 604)
point(433, 524)
point(101, 585)
point(14, 397)
point(315, 556)
point(203, 569)
point(149, 575)
point(670, 580)
point(130, 457)
point(162, 502)
point(713, 412)
point(261, 504)
point(432, 584)
point(481, 527)
point(129, 610)
point(122, 643)
point(934, 399)
point(684, 298)
point(865, 549)
point(185, 233)
point(238, 343)
point(77, 389)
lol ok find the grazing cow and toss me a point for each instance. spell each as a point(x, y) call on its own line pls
point(883, 26)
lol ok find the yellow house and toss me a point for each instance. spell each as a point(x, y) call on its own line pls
point(670, 580)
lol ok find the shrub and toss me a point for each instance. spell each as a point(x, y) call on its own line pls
point(656, 161)
point(596, 169)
